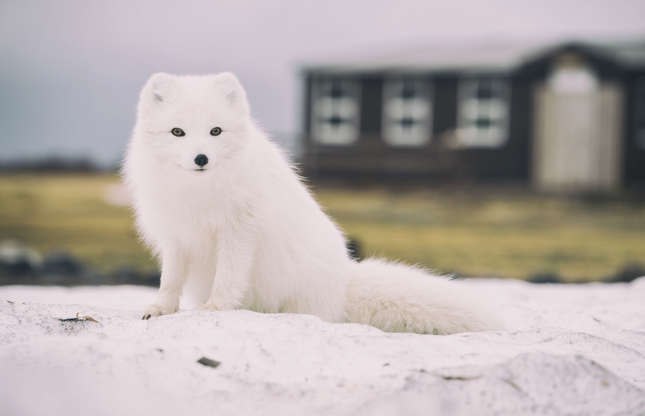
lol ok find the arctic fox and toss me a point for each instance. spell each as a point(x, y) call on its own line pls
point(229, 217)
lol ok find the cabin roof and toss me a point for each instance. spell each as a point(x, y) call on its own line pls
point(500, 56)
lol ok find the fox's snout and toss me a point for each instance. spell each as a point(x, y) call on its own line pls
point(201, 160)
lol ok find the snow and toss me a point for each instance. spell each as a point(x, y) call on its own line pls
point(568, 349)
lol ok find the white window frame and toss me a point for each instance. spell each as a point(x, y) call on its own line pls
point(325, 108)
point(418, 110)
point(471, 108)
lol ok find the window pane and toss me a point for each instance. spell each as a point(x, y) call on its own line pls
point(470, 108)
point(335, 112)
point(407, 112)
point(482, 112)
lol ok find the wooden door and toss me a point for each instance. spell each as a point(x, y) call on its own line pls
point(577, 139)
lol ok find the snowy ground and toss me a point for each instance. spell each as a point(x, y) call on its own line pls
point(576, 349)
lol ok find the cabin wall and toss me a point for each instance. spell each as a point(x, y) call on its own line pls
point(445, 105)
point(510, 161)
point(370, 157)
point(306, 114)
point(373, 159)
point(371, 104)
point(633, 154)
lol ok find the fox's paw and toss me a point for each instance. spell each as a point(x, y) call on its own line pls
point(157, 310)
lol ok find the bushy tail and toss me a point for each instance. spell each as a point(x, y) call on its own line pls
point(400, 298)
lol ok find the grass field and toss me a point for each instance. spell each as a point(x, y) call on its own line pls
point(483, 233)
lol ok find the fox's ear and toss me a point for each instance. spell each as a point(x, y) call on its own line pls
point(229, 86)
point(159, 89)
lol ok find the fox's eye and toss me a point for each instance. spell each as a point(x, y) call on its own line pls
point(216, 131)
point(177, 132)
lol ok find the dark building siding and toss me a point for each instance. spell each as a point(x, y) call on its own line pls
point(511, 160)
point(521, 130)
point(445, 105)
point(634, 155)
point(306, 115)
point(371, 105)
point(371, 156)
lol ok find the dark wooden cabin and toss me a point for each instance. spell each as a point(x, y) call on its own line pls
point(565, 117)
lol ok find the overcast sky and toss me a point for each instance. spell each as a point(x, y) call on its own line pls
point(70, 71)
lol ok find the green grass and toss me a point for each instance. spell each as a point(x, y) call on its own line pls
point(485, 233)
point(68, 212)
point(492, 232)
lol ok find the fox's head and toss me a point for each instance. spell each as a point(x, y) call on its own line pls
point(192, 122)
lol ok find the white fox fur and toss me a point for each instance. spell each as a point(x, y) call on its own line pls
point(244, 232)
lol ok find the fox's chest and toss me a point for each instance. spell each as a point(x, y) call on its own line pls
point(191, 214)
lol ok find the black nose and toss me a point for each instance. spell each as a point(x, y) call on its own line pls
point(201, 160)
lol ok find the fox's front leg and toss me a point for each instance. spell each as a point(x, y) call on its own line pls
point(173, 275)
point(235, 252)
